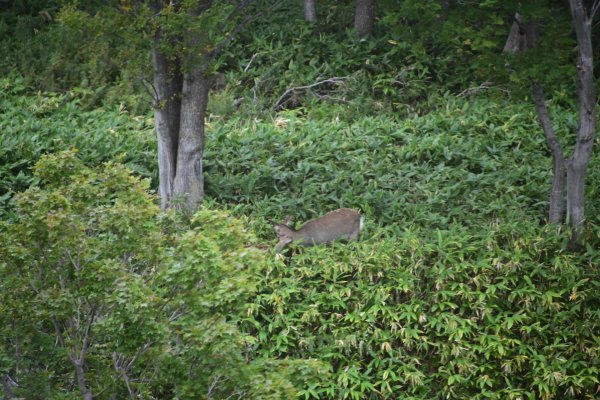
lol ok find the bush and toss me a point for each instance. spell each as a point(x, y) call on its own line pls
point(97, 286)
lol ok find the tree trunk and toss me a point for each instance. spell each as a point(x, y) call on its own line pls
point(310, 11)
point(523, 35)
point(167, 110)
point(180, 106)
point(578, 162)
point(189, 179)
point(557, 193)
point(364, 19)
point(85, 391)
point(188, 187)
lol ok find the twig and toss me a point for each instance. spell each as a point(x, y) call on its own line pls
point(146, 84)
point(212, 386)
point(250, 62)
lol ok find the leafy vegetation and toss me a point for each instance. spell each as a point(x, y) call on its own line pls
point(136, 304)
point(457, 289)
point(49, 122)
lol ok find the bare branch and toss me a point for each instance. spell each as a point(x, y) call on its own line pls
point(119, 361)
point(87, 335)
point(147, 85)
point(484, 86)
point(212, 386)
point(138, 354)
point(594, 10)
point(59, 335)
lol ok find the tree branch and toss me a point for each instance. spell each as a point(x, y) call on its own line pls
point(594, 10)
point(87, 334)
point(122, 369)
point(484, 86)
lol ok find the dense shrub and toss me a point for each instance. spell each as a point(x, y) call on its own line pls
point(503, 313)
point(90, 47)
point(93, 277)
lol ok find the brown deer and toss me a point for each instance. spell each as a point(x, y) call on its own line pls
point(342, 223)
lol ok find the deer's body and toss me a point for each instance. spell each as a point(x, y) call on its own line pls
point(342, 223)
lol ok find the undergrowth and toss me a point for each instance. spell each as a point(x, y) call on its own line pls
point(457, 288)
point(32, 125)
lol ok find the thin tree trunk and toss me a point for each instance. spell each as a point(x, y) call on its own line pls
point(578, 162)
point(78, 362)
point(167, 110)
point(310, 11)
point(85, 391)
point(364, 18)
point(557, 193)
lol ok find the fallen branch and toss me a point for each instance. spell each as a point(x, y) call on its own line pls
point(284, 97)
point(484, 86)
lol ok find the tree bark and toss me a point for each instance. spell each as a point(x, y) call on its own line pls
point(188, 186)
point(85, 391)
point(189, 179)
point(523, 35)
point(364, 18)
point(310, 11)
point(586, 132)
point(168, 83)
point(557, 193)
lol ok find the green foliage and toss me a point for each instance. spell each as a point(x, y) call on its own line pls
point(419, 48)
point(468, 162)
point(93, 49)
point(457, 288)
point(92, 275)
point(48, 122)
point(269, 60)
point(499, 313)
